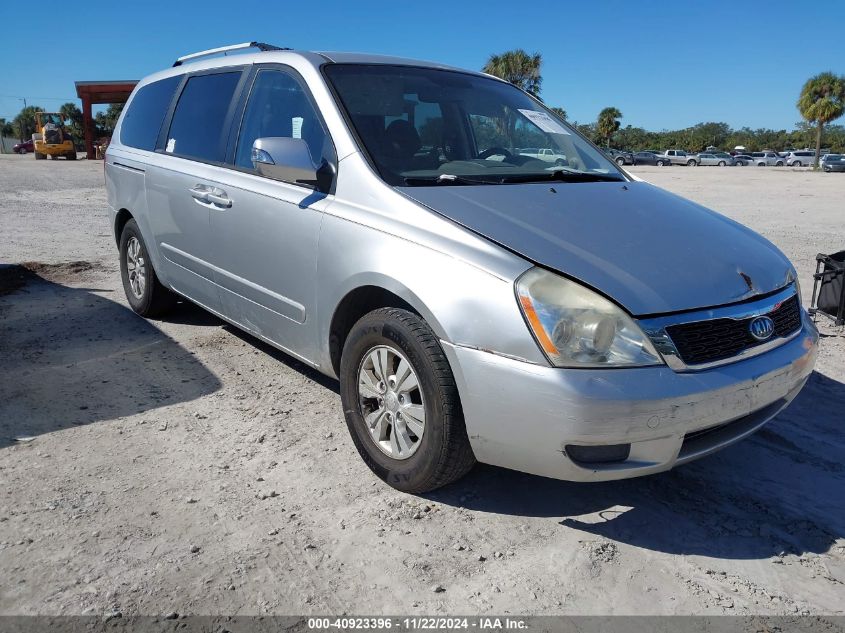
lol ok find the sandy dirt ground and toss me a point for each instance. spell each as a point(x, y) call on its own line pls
point(181, 466)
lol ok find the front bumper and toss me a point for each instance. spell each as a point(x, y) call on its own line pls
point(522, 416)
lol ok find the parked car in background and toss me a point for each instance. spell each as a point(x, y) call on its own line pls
point(833, 162)
point(24, 148)
point(650, 158)
point(557, 334)
point(724, 155)
point(545, 154)
point(800, 158)
point(767, 159)
point(740, 160)
point(712, 159)
point(680, 157)
point(620, 157)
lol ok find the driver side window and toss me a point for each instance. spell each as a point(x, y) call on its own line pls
point(279, 107)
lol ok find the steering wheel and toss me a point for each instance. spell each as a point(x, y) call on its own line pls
point(495, 151)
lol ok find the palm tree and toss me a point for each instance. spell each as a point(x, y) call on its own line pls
point(560, 112)
point(822, 100)
point(519, 68)
point(608, 123)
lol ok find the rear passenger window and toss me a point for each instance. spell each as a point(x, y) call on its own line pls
point(143, 119)
point(278, 106)
point(197, 127)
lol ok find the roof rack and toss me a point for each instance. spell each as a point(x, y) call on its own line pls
point(225, 49)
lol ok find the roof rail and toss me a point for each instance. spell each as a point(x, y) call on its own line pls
point(225, 49)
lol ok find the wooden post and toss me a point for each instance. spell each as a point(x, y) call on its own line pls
point(88, 126)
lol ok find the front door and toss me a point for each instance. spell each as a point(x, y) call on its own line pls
point(265, 244)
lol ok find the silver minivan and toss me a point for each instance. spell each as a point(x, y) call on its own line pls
point(373, 218)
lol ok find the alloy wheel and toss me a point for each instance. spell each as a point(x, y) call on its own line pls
point(391, 401)
point(136, 267)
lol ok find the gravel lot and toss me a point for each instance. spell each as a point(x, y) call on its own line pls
point(182, 466)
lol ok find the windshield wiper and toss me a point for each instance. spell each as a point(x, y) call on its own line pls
point(449, 179)
point(563, 175)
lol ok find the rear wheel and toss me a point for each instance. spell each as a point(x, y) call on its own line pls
point(71, 155)
point(401, 403)
point(779, 163)
point(722, 163)
point(797, 163)
point(620, 161)
point(144, 292)
point(691, 163)
point(22, 150)
point(660, 163)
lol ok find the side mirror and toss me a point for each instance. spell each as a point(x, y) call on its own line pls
point(288, 159)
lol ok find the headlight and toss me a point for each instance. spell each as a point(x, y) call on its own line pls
point(576, 327)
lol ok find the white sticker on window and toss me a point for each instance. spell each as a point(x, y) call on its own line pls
point(544, 122)
point(171, 145)
point(296, 126)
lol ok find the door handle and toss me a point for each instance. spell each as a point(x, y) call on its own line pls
point(210, 195)
point(199, 193)
point(220, 199)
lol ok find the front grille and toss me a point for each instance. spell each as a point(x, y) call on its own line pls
point(718, 339)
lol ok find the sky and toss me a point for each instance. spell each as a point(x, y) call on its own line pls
point(665, 65)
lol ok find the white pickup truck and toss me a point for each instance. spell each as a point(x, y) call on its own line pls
point(544, 153)
point(680, 157)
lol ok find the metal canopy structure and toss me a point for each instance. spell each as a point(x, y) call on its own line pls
point(91, 92)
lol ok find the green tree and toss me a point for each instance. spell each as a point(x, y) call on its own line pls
point(71, 113)
point(5, 130)
point(24, 122)
point(107, 120)
point(822, 100)
point(560, 112)
point(608, 123)
point(519, 68)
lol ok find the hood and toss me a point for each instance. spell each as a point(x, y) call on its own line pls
point(651, 251)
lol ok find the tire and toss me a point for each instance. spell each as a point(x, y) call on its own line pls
point(779, 163)
point(71, 155)
point(441, 453)
point(660, 163)
point(22, 150)
point(722, 163)
point(620, 161)
point(797, 163)
point(827, 169)
point(691, 163)
point(149, 298)
point(559, 162)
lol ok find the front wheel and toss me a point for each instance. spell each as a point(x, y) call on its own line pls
point(691, 163)
point(401, 402)
point(620, 161)
point(660, 163)
point(22, 150)
point(722, 163)
point(797, 163)
point(144, 292)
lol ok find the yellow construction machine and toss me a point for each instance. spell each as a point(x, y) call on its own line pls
point(51, 137)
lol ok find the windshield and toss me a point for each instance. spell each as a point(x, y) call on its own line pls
point(423, 125)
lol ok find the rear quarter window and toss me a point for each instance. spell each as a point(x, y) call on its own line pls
point(145, 114)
